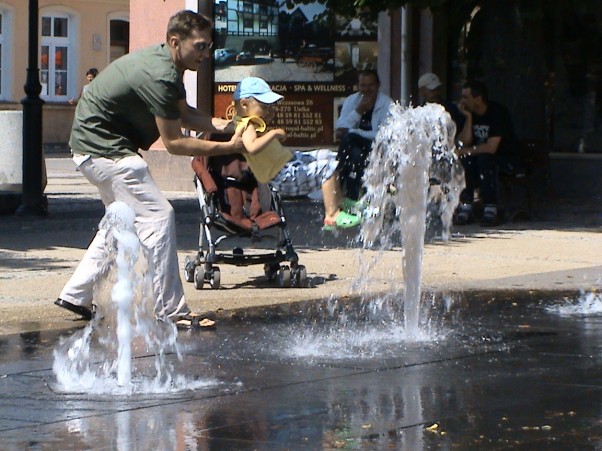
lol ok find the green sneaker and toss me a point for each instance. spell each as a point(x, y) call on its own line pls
point(343, 220)
point(349, 205)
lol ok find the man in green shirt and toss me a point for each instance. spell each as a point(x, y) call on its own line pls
point(129, 105)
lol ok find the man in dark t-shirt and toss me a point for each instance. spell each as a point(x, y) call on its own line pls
point(489, 145)
point(128, 106)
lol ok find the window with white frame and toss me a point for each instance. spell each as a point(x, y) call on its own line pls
point(119, 33)
point(2, 51)
point(5, 53)
point(55, 55)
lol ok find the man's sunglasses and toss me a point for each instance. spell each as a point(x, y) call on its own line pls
point(202, 46)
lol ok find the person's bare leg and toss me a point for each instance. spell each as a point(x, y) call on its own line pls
point(333, 197)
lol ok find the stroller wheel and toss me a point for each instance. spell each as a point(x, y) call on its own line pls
point(284, 277)
point(188, 270)
point(270, 270)
point(215, 278)
point(199, 278)
point(301, 277)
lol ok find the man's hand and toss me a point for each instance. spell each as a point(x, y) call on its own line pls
point(366, 103)
point(462, 108)
point(462, 152)
point(341, 131)
point(223, 125)
point(236, 144)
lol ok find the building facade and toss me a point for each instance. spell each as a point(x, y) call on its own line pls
point(74, 35)
point(237, 20)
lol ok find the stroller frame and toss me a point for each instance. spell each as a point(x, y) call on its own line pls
point(202, 268)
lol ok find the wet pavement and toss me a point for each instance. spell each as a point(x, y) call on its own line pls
point(505, 375)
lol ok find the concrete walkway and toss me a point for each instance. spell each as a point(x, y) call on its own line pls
point(561, 251)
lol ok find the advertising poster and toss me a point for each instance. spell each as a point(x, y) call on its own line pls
point(304, 53)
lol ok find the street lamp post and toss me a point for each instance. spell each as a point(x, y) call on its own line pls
point(33, 200)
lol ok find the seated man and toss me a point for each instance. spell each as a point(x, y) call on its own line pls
point(489, 145)
point(429, 89)
point(361, 115)
point(446, 170)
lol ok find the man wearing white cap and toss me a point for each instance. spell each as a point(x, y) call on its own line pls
point(429, 89)
point(428, 86)
point(442, 170)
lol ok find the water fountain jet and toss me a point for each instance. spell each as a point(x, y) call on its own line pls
point(125, 319)
point(412, 167)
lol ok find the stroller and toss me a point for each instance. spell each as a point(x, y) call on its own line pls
point(235, 206)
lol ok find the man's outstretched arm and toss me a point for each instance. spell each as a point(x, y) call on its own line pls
point(177, 143)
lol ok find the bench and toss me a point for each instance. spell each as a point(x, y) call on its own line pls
point(520, 189)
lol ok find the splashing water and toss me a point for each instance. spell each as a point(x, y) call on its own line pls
point(366, 331)
point(124, 321)
point(588, 303)
point(412, 165)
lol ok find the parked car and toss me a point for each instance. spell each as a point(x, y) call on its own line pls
point(245, 57)
point(314, 57)
point(282, 54)
point(224, 56)
point(256, 46)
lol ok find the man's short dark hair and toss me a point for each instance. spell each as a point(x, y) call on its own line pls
point(184, 23)
point(477, 88)
point(368, 72)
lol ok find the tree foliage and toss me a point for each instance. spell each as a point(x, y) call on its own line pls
point(371, 8)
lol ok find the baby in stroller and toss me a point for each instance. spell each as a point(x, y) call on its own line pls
point(291, 173)
point(234, 207)
point(228, 193)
